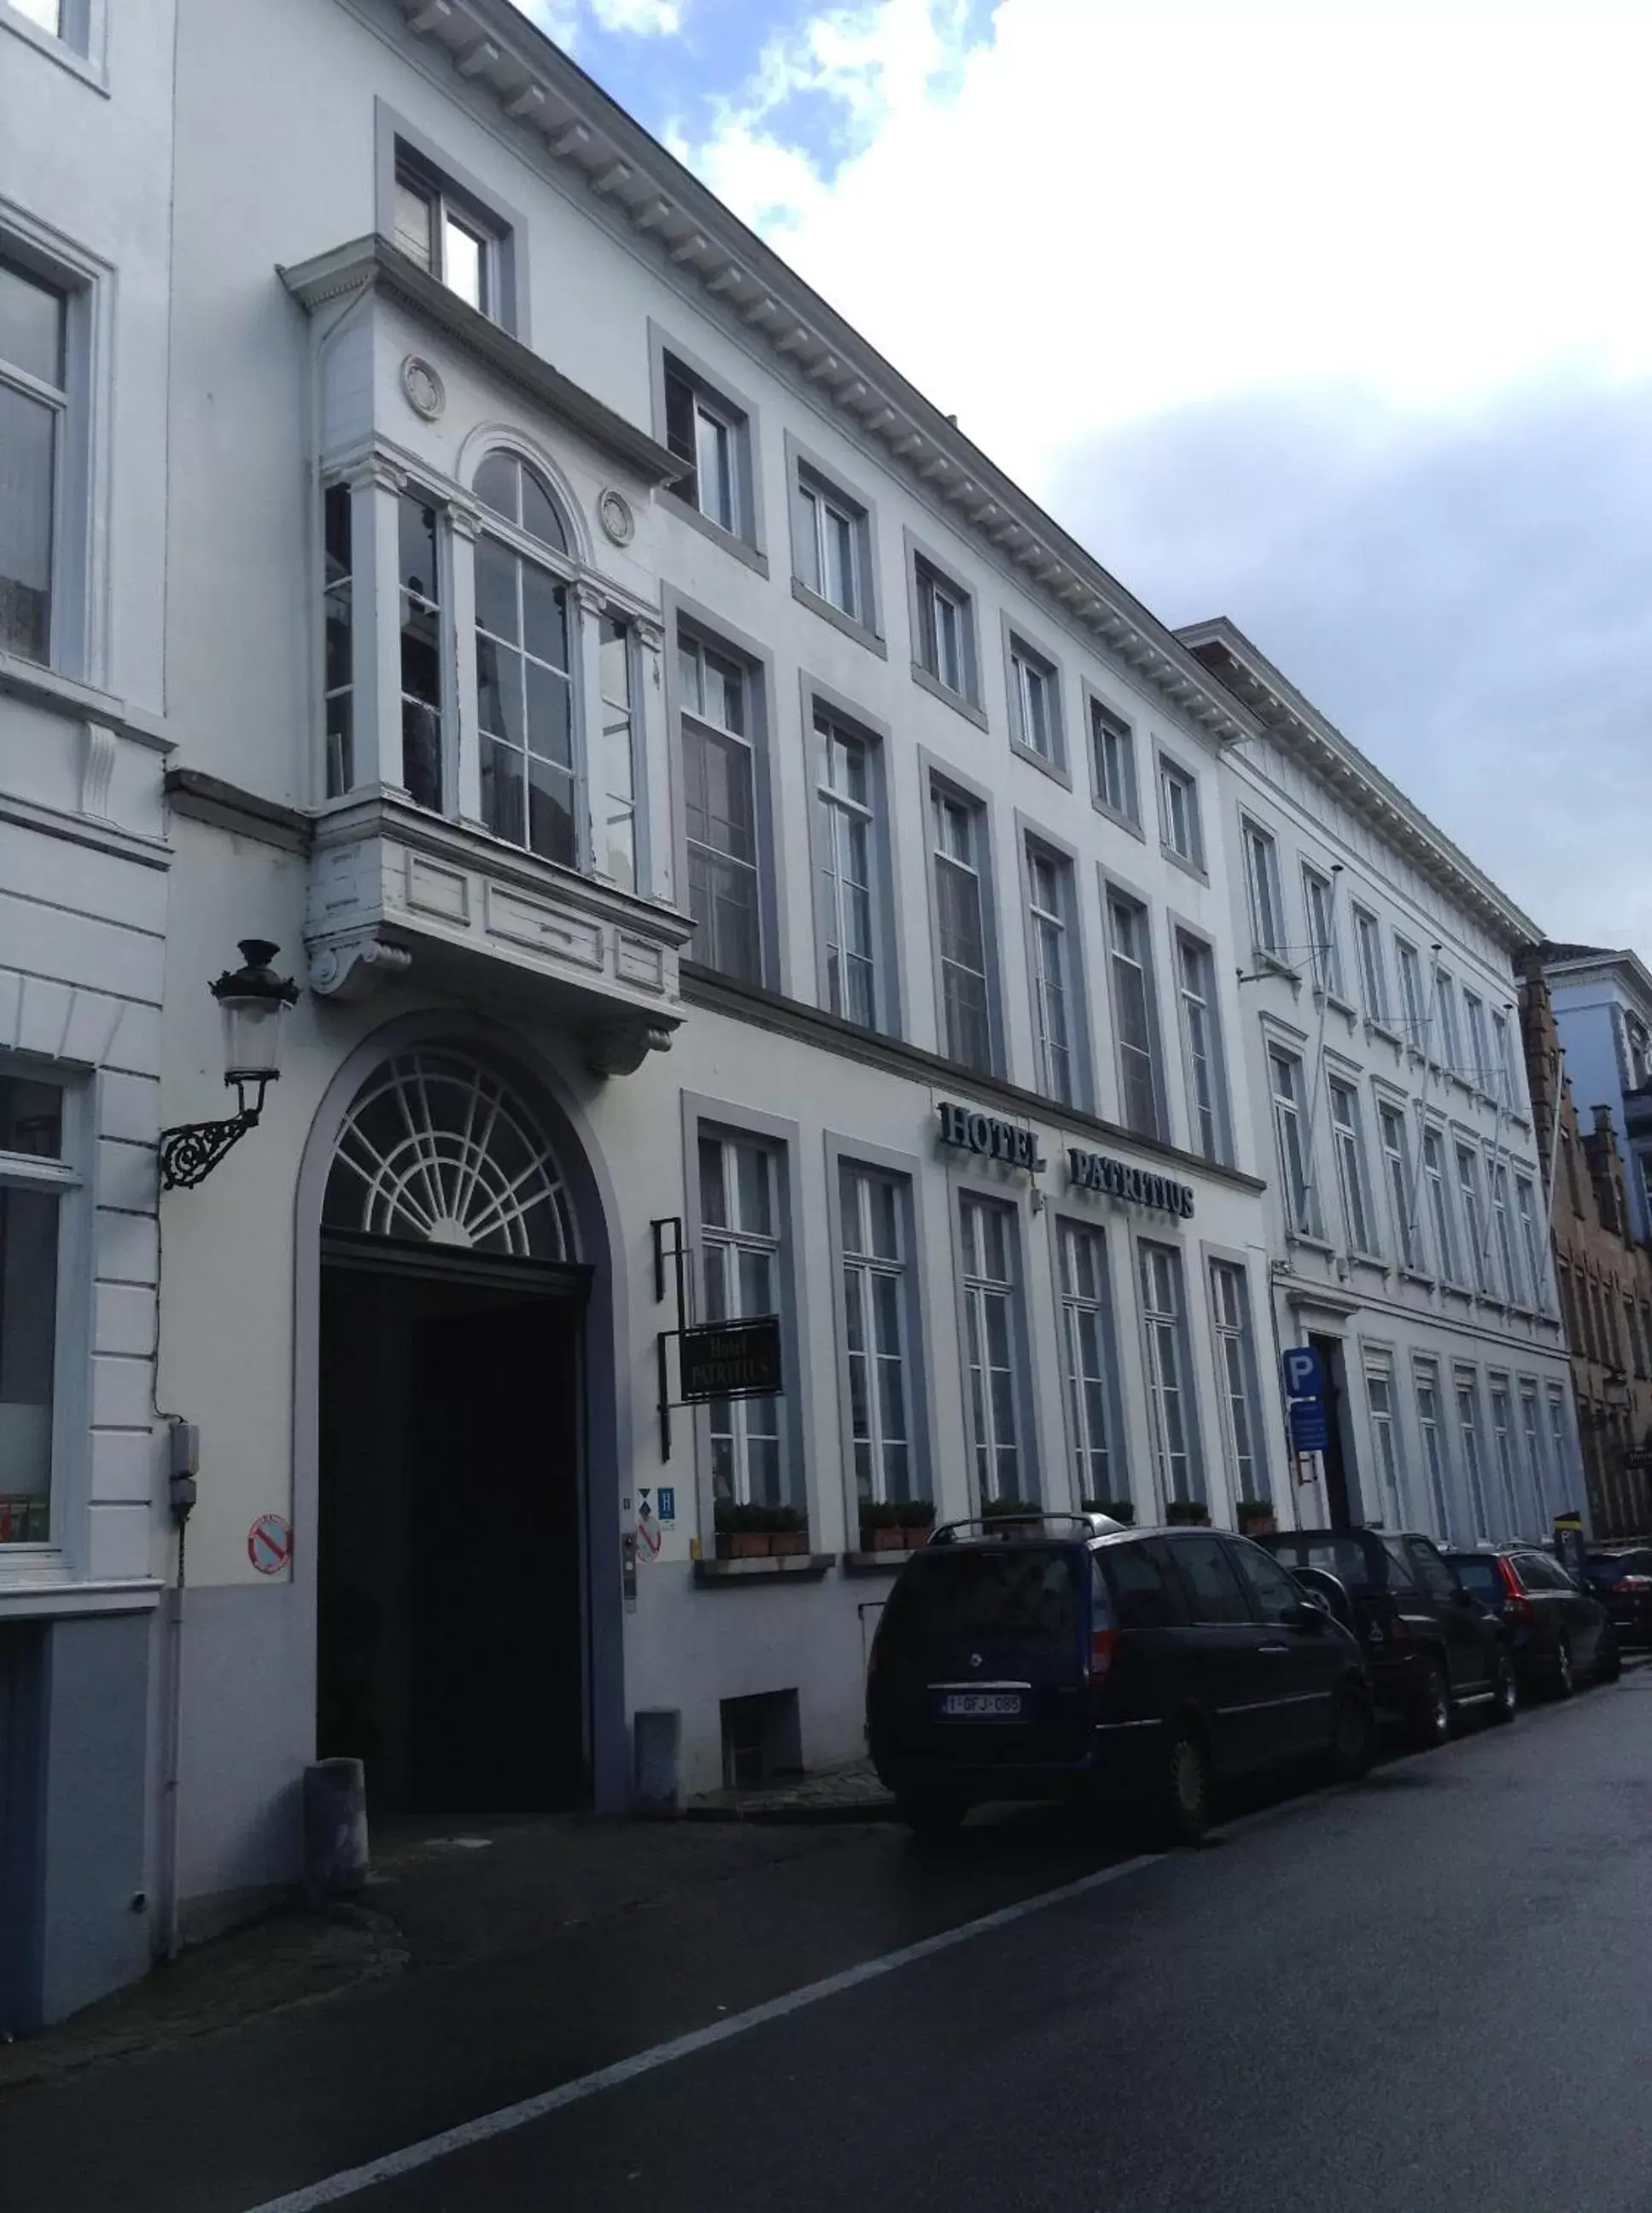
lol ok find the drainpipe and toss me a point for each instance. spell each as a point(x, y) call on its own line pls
point(184, 1462)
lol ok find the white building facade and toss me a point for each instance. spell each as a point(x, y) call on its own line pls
point(717, 823)
point(1380, 1040)
point(85, 91)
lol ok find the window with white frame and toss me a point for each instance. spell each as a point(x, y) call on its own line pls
point(1207, 1094)
point(1348, 1143)
point(1560, 1457)
point(720, 808)
point(712, 439)
point(617, 772)
point(1050, 918)
point(945, 629)
point(54, 17)
point(1530, 1432)
point(875, 1215)
point(38, 1182)
point(1434, 1446)
point(833, 545)
point(1091, 1346)
point(1450, 1053)
point(1502, 1454)
point(1296, 1185)
point(1379, 1405)
point(741, 1250)
point(1173, 1418)
point(995, 1335)
point(1502, 1061)
point(424, 743)
point(1180, 829)
point(1140, 1093)
point(445, 234)
point(959, 835)
point(1468, 1195)
point(525, 658)
point(1480, 1071)
point(1373, 973)
point(339, 624)
point(846, 792)
point(1319, 901)
point(1035, 702)
point(1467, 1388)
point(1262, 885)
point(1532, 1242)
point(33, 426)
point(1440, 1211)
point(1503, 1231)
point(1113, 761)
point(1236, 1374)
point(1402, 1196)
point(1412, 1011)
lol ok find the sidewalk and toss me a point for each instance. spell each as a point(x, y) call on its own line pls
point(835, 1794)
point(443, 1893)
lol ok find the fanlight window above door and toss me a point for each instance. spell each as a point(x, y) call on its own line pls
point(440, 1151)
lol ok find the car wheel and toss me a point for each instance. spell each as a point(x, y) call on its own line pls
point(930, 1815)
point(1353, 1736)
point(1505, 1693)
point(1431, 1716)
point(1565, 1681)
point(1185, 1787)
point(1610, 1665)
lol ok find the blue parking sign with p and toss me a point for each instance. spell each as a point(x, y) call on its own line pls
point(1304, 1372)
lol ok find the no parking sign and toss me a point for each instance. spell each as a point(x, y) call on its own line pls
point(270, 1544)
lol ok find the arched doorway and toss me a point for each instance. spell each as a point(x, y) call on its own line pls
point(451, 1642)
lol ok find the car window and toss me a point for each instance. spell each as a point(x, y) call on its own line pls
point(1479, 1575)
point(1345, 1557)
point(1273, 1594)
point(1538, 1573)
point(1004, 1590)
point(1145, 1595)
point(1432, 1572)
point(1604, 1568)
point(1401, 1574)
point(1212, 1588)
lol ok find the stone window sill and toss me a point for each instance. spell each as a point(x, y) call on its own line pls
point(878, 1563)
point(811, 1566)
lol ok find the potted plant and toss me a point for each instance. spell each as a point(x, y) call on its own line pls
point(1254, 1517)
point(1116, 1509)
point(1000, 1509)
point(880, 1530)
point(917, 1520)
point(787, 1530)
point(1188, 1513)
point(742, 1530)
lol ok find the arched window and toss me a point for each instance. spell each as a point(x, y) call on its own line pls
point(440, 1151)
point(526, 647)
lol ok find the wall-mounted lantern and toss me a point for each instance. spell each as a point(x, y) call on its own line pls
point(255, 1001)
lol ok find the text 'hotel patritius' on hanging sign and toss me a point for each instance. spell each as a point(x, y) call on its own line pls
point(732, 1360)
point(1100, 1172)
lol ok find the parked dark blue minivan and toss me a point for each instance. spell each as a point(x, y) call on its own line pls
point(1062, 1655)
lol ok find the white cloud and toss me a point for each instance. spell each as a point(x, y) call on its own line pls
point(1128, 208)
point(646, 18)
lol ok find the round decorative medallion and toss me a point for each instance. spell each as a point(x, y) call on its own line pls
point(423, 387)
point(613, 513)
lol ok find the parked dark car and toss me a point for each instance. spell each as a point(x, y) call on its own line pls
point(1557, 1634)
point(1430, 1650)
point(1064, 1657)
point(1621, 1578)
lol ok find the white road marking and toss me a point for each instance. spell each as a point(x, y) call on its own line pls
point(487, 2126)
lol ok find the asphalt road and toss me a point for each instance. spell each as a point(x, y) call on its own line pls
point(1434, 1990)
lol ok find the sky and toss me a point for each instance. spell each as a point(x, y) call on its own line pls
point(1333, 316)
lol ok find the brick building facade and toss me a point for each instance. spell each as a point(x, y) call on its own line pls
point(1604, 1273)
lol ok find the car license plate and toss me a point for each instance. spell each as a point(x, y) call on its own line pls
point(982, 1705)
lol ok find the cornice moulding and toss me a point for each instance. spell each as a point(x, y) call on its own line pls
point(373, 264)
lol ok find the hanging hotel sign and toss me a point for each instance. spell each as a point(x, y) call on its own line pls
point(1100, 1172)
point(731, 1360)
point(987, 1135)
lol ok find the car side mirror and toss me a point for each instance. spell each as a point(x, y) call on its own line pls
point(1311, 1614)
